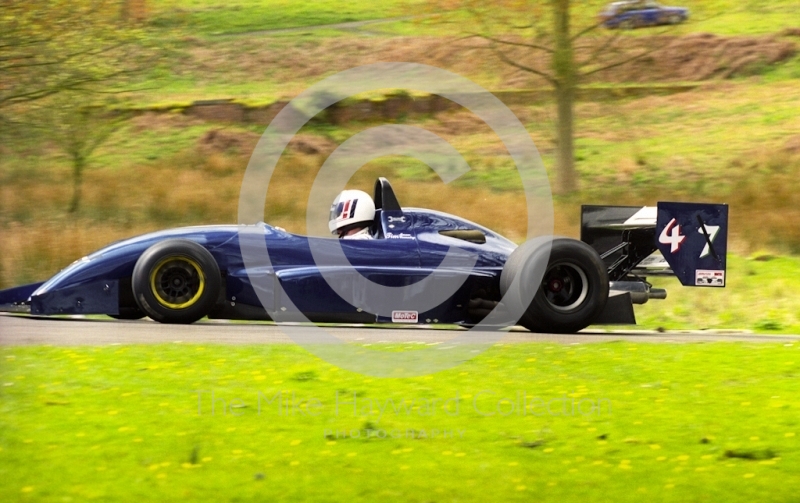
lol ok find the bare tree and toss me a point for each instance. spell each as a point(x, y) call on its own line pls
point(48, 46)
point(78, 128)
point(512, 27)
point(61, 63)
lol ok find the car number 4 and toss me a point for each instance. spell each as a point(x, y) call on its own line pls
point(671, 235)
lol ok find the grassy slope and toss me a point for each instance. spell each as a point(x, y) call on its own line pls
point(694, 422)
point(214, 18)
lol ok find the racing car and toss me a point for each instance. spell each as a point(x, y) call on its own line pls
point(182, 275)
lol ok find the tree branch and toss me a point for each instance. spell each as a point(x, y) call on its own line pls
point(609, 41)
point(528, 69)
point(620, 63)
point(518, 44)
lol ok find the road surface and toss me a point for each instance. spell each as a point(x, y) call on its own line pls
point(29, 330)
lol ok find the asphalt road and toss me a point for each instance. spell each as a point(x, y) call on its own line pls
point(28, 330)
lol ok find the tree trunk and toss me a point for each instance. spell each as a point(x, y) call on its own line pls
point(567, 177)
point(566, 81)
point(77, 180)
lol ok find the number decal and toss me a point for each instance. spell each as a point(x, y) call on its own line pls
point(712, 231)
point(671, 235)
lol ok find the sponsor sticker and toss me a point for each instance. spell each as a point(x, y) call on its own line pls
point(703, 277)
point(402, 235)
point(405, 316)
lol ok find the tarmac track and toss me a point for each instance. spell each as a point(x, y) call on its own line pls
point(29, 330)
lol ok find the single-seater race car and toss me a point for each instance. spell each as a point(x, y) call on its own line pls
point(182, 275)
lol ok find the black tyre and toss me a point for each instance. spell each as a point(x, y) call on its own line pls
point(176, 281)
point(572, 292)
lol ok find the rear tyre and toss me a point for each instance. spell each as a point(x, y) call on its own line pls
point(176, 281)
point(570, 295)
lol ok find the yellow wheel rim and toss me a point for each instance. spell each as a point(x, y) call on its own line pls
point(177, 281)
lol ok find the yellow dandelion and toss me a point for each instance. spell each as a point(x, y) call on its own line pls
point(513, 463)
point(351, 454)
point(404, 467)
point(790, 434)
point(655, 446)
point(27, 489)
point(295, 442)
point(549, 449)
point(521, 488)
point(460, 454)
point(294, 463)
point(749, 475)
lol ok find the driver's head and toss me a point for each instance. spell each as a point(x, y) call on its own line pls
point(352, 209)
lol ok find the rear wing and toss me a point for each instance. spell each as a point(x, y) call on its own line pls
point(687, 240)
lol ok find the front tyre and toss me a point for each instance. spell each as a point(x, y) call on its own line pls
point(571, 293)
point(176, 281)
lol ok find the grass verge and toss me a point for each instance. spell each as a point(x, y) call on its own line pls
point(692, 422)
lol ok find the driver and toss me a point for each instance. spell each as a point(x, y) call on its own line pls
point(352, 214)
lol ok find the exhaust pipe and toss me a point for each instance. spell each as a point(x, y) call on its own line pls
point(639, 291)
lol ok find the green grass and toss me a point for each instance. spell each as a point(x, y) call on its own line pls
point(759, 296)
point(239, 16)
point(690, 422)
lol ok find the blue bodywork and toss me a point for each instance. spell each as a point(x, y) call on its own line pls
point(408, 247)
point(633, 13)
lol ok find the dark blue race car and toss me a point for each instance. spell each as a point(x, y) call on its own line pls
point(182, 275)
point(637, 13)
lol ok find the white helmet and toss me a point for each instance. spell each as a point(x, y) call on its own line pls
point(351, 208)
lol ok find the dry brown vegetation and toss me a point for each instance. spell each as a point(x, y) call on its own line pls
point(691, 57)
point(201, 186)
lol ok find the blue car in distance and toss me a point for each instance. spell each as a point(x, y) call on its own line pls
point(631, 14)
